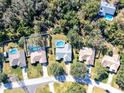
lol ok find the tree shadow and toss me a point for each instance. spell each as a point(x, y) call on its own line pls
point(61, 78)
point(82, 80)
point(102, 77)
point(8, 85)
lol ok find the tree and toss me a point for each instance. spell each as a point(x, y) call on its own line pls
point(55, 69)
point(120, 74)
point(75, 88)
point(90, 8)
point(102, 25)
point(3, 78)
point(75, 39)
point(36, 40)
point(114, 35)
point(78, 69)
point(57, 30)
point(21, 42)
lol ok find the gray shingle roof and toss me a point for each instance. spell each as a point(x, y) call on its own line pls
point(107, 8)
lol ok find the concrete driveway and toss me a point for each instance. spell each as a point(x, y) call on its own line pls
point(44, 68)
point(24, 73)
point(110, 78)
point(68, 68)
point(51, 87)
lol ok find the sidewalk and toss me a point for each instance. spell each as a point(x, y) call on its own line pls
point(1, 89)
point(51, 87)
point(90, 89)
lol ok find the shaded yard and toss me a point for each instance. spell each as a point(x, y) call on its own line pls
point(98, 68)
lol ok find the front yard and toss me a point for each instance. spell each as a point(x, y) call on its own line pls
point(96, 69)
point(34, 71)
point(98, 90)
point(12, 71)
point(43, 89)
point(17, 90)
point(67, 87)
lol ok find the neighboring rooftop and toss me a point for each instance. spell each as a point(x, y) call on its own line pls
point(16, 57)
point(39, 55)
point(107, 8)
point(64, 52)
point(112, 62)
point(87, 54)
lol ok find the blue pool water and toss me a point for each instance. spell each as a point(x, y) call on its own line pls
point(108, 17)
point(33, 49)
point(13, 51)
point(60, 43)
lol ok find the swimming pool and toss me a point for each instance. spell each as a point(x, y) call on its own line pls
point(59, 43)
point(13, 51)
point(33, 49)
point(36, 48)
point(108, 17)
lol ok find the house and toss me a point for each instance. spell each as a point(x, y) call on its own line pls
point(87, 54)
point(17, 57)
point(64, 51)
point(107, 8)
point(112, 63)
point(38, 55)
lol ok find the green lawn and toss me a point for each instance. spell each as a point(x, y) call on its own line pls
point(34, 71)
point(122, 1)
point(98, 90)
point(114, 82)
point(17, 90)
point(43, 89)
point(12, 71)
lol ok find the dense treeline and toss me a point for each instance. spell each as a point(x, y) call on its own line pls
point(74, 18)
